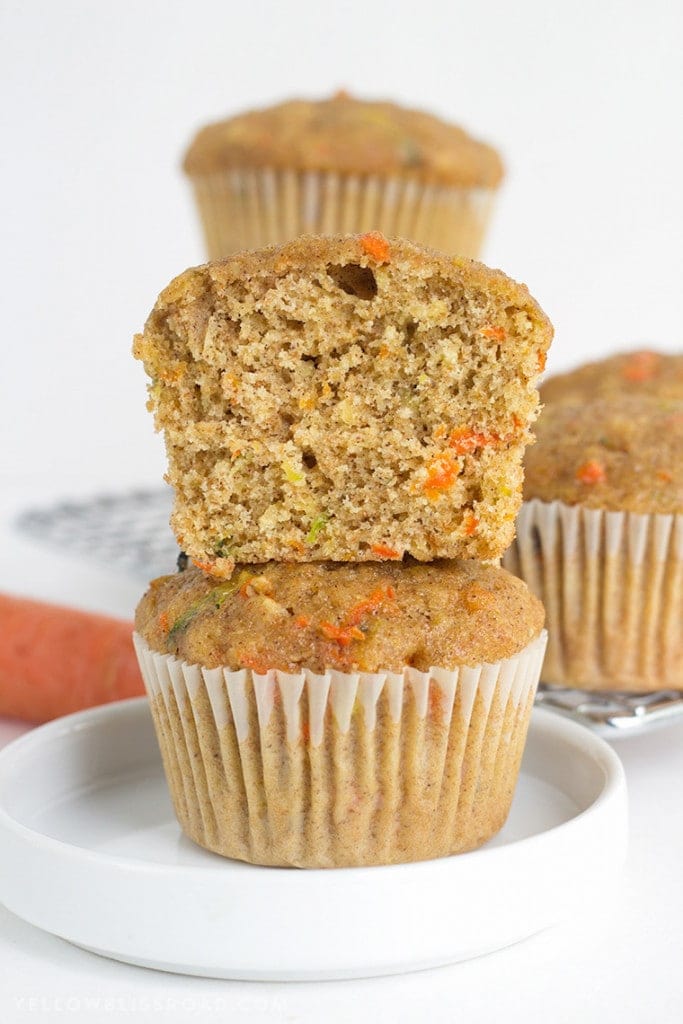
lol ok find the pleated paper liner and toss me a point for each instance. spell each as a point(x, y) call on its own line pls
point(612, 586)
point(247, 209)
point(341, 769)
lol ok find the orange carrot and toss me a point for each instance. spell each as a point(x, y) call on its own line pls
point(470, 525)
point(375, 244)
point(591, 472)
point(369, 606)
point(384, 551)
point(496, 333)
point(56, 660)
point(257, 662)
point(302, 621)
point(442, 472)
point(641, 367)
point(464, 440)
point(207, 567)
point(342, 635)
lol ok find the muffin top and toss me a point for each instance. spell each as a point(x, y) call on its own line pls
point(642, 372)
point(617, 454)
point(349, 136)
point(326, 615)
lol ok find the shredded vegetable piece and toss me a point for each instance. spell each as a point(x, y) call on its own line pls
point(470, 525)
point(464, 440)
point(384, 551)
point(496, 333)
point(442, 472)
point(641, 367)
point(318, 524)
point(256, 662)
point(342, 635)
point(591, 472)
point(375, 245)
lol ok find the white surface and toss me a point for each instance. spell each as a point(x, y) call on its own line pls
point(84, 810)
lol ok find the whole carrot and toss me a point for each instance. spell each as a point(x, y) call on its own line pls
point(55, 660)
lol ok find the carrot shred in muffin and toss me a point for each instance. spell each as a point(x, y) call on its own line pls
point(641, 366)
point(495, 333)
point(342, 635)
point(442, 473)
point(375, 245)
point(384, 551)
point(207, 567)
point(464, 440)
point(471, 525)
point(591, 472)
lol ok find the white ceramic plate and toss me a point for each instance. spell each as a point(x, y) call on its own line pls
point(90, 851)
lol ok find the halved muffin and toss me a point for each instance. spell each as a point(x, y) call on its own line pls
point(344, 399)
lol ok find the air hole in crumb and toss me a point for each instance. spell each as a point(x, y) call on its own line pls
point(294, 325)
point(309, 460)
point(410, 329)
point(354, 280)
point(311, 359)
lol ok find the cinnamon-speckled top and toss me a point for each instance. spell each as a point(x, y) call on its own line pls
point(368, 617)
point(349, 136)
point(640, 372)
point(618, 454)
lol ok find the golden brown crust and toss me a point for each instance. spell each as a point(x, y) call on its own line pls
point(348, 136)
point(369, 617)
point(618, 454)
point(344, 399)
point(640, 372)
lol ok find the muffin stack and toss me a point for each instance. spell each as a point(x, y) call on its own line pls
point(339, 165)
point(339, 680)
point(600, 536)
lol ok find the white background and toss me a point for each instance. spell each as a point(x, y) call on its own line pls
point(99, 100)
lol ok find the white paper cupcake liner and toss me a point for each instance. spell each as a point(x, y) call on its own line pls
point(247, 209)
point(612, 586)
point(341, 768)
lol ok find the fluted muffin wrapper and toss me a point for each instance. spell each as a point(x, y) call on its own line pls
point(250, 208)
point(340, 769)
point(612, 586)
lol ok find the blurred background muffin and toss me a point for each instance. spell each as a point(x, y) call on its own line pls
point(328, 715)
point(639, 372)
point(600, 540)
point(337, 166)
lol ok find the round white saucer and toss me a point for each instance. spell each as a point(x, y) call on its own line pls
point(90, 851)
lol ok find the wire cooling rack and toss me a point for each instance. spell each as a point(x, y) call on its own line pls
point(126, 532)
point(130, 533)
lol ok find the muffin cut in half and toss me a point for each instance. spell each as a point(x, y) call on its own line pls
point(344, 399)
point(328, 715)
point(600, 542)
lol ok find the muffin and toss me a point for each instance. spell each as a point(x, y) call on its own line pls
point(344, 399)
point(341, 165)
point(600, 541)
point(643, 372)
point(327, 715)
